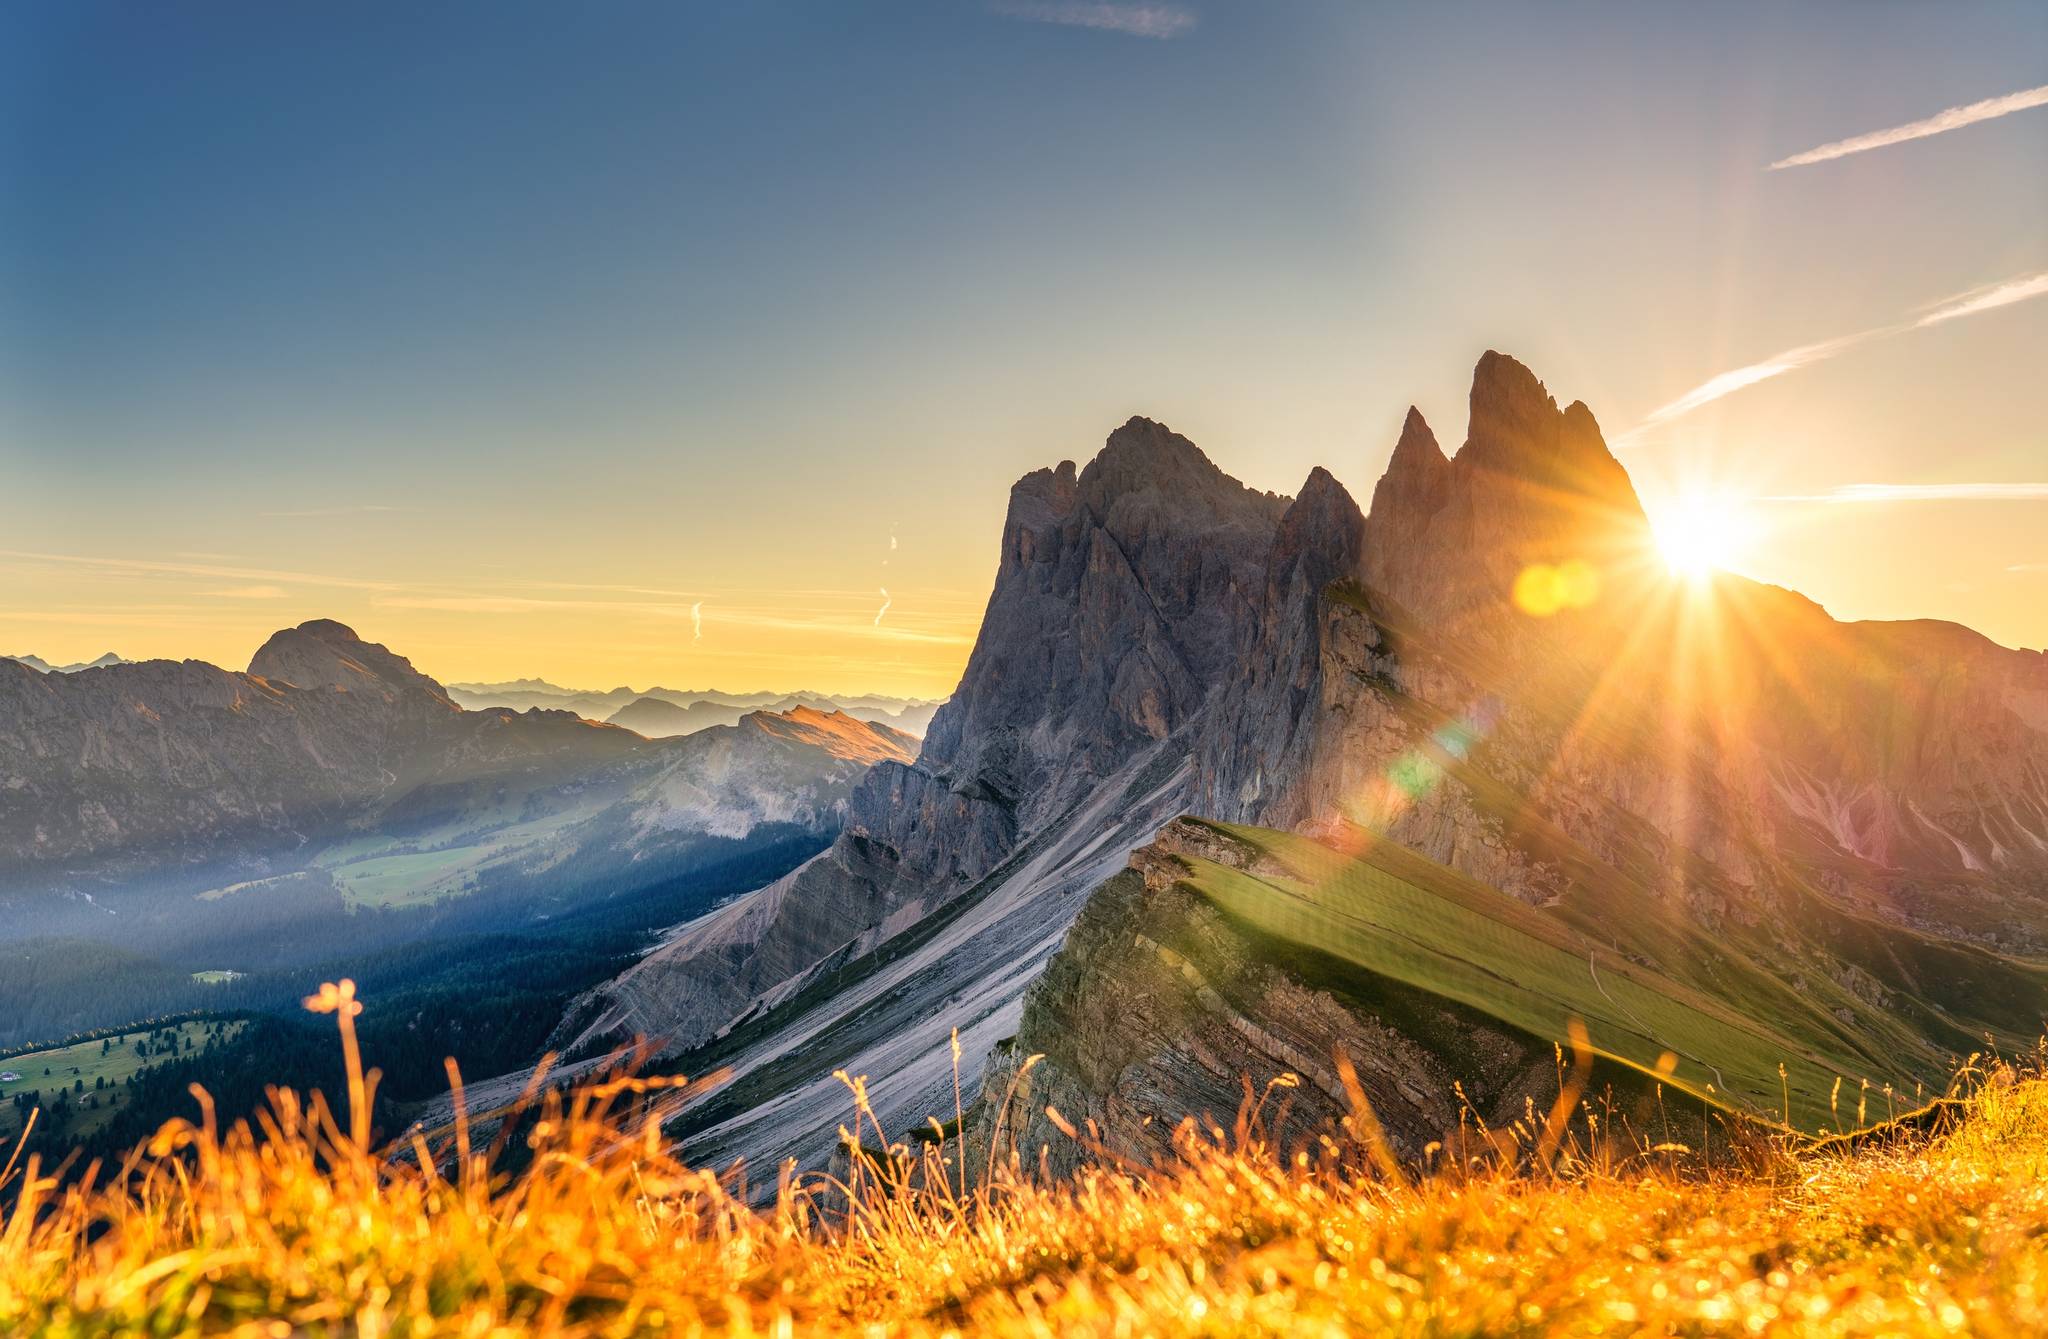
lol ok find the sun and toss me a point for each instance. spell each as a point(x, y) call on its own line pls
point(1703, 533)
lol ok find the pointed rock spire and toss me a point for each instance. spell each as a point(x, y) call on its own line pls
point(1321, 536)
point(1532, 484)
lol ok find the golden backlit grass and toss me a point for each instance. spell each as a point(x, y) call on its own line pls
point(299, 1228)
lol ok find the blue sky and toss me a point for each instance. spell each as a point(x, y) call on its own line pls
point(451, 307)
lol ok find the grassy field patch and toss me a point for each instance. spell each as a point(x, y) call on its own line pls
point(97, 1070)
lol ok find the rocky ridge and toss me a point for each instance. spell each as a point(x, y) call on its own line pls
point(1161, 640)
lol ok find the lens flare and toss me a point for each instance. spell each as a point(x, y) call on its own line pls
point(1543, 589)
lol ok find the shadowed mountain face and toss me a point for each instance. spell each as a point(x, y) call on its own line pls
point(176, 804)
point(168, 757)
point(1486, 690)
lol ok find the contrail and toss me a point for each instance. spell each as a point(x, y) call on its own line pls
point(885, 606)
point(1985, 299)
point(1989, 297)
point(697, 621)
point(2014, 492)
point(1955, 118)
point(1791, 360)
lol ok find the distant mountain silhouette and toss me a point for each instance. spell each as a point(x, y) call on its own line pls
point(43, 666)
point(157, 793)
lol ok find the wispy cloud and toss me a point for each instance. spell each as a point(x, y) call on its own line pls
point(697, 621)
point(199, 570)
point(886, 602)
point(592, 585)
point(1954, 118)
point(2004, 492)
point(1791, 360)
point(357, 509)
point(473, 603)
point(249, 593)
point(2028, 567)
point(1986, 297)
point(1158, 22)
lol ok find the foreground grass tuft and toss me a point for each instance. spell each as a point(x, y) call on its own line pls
point(299, 1228)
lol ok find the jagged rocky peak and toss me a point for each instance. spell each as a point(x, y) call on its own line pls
point(1532, 484)
point(1123, 596)
point(1517, 430)
point(322, 653)
point(1144, 457)
point(1418, 477)
point(1321, 537)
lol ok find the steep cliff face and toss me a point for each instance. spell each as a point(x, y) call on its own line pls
point(1121, 596)
point(1261, 744)
point(1120, 602)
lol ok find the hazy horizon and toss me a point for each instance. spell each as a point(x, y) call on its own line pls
point(712, 361)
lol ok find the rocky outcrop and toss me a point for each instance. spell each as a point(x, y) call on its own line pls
point(324, 654)
point(1157, 1009)
point(1728, 725)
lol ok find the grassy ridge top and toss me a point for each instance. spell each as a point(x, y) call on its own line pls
point(1704, 1012)
point(600, 1233)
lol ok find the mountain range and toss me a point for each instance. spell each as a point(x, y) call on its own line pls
point(1235, 781)
point(662, 712)
point(243, 818)
point(42, 666)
